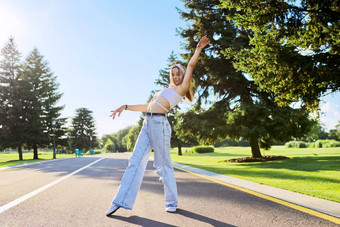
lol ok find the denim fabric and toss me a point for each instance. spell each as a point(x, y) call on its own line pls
point(155, 134)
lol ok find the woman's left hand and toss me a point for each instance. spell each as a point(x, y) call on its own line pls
point(203, 43)
point(119, 111)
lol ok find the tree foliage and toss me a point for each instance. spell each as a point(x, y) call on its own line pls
point(294, 47)
point(29, 96)
point(12, 123)
point(41, 103)
point(229, 102)
point(110, 146)
point(337, 128)
point(317, 132)
point(131, 137)
point(83, 126)
point(119, 139)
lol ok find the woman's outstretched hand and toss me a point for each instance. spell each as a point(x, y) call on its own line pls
point(119, 111)
point(203, 43)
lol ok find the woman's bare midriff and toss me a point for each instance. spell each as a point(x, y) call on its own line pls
point(154, 108)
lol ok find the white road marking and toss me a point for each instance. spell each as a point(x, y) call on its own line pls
point(31, 194)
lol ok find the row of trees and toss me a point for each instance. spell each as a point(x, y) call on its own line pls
point(125, 139)
point(29, 96)
point(29, 100)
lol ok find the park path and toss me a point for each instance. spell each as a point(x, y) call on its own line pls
point(78, 191)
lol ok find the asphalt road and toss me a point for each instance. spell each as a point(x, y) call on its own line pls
point(53, 194)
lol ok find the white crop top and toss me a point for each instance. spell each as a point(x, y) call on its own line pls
point(169, 94)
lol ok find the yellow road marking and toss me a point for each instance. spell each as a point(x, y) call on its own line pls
point(279, 201)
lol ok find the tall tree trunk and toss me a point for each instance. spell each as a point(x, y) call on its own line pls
point(179, 148)
point(255, 149)
point(35, 151)
point(20, 153)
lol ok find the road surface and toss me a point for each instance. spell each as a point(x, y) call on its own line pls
point(78, 191)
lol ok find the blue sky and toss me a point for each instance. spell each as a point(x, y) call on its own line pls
point(105, 53)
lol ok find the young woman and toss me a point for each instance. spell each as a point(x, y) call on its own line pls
point(155, 134)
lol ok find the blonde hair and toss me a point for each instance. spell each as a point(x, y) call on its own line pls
point(189, 95)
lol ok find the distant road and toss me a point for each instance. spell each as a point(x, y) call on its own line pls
point(78, 191)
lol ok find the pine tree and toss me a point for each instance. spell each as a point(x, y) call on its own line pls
point(42, 99)
point(12, 96)
point(83, 126)
point(229, 103)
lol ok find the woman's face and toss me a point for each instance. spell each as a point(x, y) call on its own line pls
point(177, 76)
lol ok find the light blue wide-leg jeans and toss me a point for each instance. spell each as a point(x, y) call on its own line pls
point(155, 134)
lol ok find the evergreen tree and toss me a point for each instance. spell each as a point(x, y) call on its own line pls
point(294, 47)
point(41, 103)
point(12, 96)
point(229, 103)
point(83, 126)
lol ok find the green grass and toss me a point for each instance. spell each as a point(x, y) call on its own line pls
point(311, 171)
point(12, 158)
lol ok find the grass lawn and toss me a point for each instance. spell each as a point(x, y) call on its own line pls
point(11, 158)
point(311, 171)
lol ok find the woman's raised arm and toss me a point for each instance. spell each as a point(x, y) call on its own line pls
point(184, 86)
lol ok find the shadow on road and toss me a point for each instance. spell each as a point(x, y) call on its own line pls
point(187, 214)
point(140, 221)
point(201, 218)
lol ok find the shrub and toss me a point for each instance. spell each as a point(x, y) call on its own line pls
point(296, 144)
point(202, 149)
point(289, 144)
point(302, 145)
point(335, 144)
point(318, 143)
point(327, 143)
